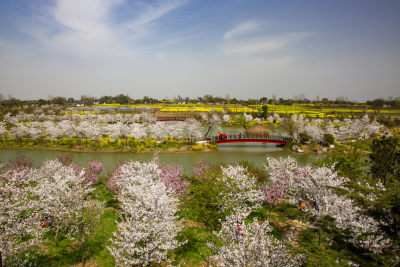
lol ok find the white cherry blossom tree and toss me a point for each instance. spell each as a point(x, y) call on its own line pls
point(19, 217)
point(252, 245)
point(148, 227)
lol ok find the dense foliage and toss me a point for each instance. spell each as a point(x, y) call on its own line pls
point(223, 214)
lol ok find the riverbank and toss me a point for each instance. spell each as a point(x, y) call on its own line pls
point(308, 149)
point(149, 146)
point(172, 150)
point(318, 149)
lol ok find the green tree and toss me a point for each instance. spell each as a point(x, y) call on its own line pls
point(304, 137)
point(385, 159)
point(241, 120)
point(265, 111)
point(384, 208)
point(42, 102)
point(329, 139)
point(348, 162)
point(209, 194)
point(290, 127)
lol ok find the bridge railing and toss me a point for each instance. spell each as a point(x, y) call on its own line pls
point(252, 136)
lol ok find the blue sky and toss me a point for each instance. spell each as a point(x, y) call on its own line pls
point(248, 49)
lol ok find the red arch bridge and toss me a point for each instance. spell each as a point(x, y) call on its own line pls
point(259, 138)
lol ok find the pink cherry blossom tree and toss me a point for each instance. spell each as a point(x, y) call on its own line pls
point(272, 196)
point(173, 178)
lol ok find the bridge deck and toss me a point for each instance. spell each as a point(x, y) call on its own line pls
point(259, 138)
point(177, 119)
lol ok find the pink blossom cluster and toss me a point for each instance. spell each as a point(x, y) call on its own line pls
point(20, 164)
point(272, 195)
point(113, 182)
point(66, 160)
point(172, 177)
point(200, 170)
point(96, 166)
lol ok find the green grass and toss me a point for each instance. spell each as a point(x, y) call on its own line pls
point(194, 252)
point(69, 253)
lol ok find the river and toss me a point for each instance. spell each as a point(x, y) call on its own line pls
point(229, 153)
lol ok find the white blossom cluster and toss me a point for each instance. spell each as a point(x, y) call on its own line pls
point(148, 227)
point(313, 185)
point(95, 130)
point(19, 215)
point(243, 189)
point(27, 195)
point(252, 246)
point(340, 130)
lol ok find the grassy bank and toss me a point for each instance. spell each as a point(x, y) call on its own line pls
point(285, 219)
point(146, 146)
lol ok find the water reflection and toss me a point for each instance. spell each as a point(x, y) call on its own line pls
point(229, 153)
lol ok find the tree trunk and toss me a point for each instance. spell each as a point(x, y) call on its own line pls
point(55, 241)
point(185, 218)
point(212, 235)
point(83, 254)
point(1, 260)
point(319, 238)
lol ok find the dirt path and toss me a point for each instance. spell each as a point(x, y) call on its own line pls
point(291, 229)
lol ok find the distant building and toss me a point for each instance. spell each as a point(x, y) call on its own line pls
point(79, 104)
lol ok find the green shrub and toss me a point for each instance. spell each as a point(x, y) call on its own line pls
point(290, 144)
point(329, 139)
point(304, 137)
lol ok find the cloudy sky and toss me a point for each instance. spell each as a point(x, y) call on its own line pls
point(248, 49)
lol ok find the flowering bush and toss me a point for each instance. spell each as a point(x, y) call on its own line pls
point(272, 196)
point(172, 176)
point(96, 166)
point(197, 147)
point(212, 146)
point(200, 170)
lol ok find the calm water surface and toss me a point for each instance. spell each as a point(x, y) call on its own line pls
point(229, 153)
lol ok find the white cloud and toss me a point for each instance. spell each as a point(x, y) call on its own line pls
point(91, 27)
point(269, 44)
point(150, 13)
point(243, 28)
